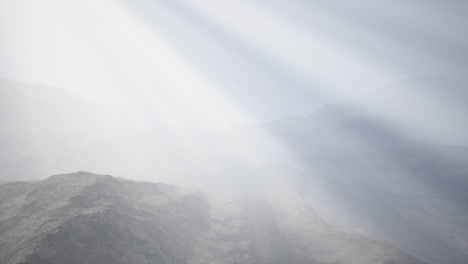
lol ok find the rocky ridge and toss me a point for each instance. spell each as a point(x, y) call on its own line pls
point(88, 218)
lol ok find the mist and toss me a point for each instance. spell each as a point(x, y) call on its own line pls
point(352, 111)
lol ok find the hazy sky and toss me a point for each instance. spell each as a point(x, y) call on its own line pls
point(250, 60)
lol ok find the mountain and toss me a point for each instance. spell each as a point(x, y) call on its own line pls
point(40, 124)
point(88, 218)
point(430, 108)
point(353, 174)
point(47, 130)
point(369, 174)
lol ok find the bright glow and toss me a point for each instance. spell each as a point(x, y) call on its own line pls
point(351, 107)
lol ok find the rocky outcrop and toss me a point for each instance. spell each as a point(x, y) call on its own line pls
point(88, 218)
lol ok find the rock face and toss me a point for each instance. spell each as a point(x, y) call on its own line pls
point(88, 218)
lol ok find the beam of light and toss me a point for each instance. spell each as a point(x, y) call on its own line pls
point(182, 97)
point(318, 55)
point(152, 78)
point(178, 117)
point(160, 82)
point(310, 54)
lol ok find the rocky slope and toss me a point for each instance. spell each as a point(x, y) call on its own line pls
point(371, 177)
point(88, 218)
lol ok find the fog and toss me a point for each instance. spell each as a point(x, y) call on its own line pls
point(358, 107)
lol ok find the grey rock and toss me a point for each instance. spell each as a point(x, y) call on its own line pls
point(88, 218)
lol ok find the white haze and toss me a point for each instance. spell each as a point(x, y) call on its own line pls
point(354, 103)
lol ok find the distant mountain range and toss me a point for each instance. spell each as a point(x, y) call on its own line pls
point(366, 176)
point(47, 130)
point(368, 170)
